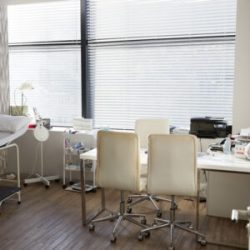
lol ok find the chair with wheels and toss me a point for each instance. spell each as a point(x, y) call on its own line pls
point(144, 128)
point(172, 171)
point(118, 167)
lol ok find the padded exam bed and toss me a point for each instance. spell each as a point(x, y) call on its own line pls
point(11, 127)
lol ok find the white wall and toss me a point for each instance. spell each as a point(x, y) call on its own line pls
point(241, 103)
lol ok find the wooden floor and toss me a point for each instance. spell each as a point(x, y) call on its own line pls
point(51, 219)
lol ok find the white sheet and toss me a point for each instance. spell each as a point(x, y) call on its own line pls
point(6, 138)
point(12, 124)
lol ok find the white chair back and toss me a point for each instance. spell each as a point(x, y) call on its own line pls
point(146, 127)
point(118, 163)
point(172, 165)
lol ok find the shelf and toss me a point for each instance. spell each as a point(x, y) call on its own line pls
point(72, 167)
point(6, 192)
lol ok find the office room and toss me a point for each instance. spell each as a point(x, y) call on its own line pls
point(124, 124)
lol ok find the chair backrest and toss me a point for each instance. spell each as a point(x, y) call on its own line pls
point(146, 127)
point(172, 165)
point(118, 162)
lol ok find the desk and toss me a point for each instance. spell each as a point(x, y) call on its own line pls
point(217, 162)
point(222, 162)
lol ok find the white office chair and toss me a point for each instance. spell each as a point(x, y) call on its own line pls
point(144, 128)
point(118, 167)
point(172, 171)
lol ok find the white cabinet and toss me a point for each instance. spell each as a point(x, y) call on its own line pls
point(74, 145)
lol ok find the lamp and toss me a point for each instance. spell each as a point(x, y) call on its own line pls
point(25, 86)
point(41, 134)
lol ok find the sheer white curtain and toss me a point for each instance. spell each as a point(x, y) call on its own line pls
point(4, 62)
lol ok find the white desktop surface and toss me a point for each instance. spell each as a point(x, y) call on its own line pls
point(92, 155)
point(222, 162)
point(215, 162)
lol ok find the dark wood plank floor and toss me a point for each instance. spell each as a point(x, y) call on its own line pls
point(51, 219)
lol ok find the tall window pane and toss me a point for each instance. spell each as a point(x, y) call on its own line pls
point(44, 44)
point(160, 58)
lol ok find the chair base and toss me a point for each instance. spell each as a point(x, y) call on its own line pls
point(44, 179)
point(152, 198)
point(172, 224)
point(120, 216)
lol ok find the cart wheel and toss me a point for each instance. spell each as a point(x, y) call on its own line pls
point(64, 186)
point(19, 202)
point(47, 186)
point(25, 184)
point(71, 183)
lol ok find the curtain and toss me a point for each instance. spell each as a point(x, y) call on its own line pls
point(4, 62)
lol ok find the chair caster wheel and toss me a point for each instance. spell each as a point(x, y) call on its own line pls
point(143, 221)
point(147, 234)
point(129, 210)
point(202, 242)
point(47, 186)
point(159, 214)
point(71, 183)
point(64, 186)
point(141, 237)
point(91, 227)
point(25, 184)
point(19, 202)
point(129, 200)
point(113, 240)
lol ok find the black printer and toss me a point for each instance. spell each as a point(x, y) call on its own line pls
point(209, 127)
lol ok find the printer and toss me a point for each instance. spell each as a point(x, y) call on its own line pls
point(209, 127)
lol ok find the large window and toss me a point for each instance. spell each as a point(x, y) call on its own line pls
point(160, 58)
point(44, 42)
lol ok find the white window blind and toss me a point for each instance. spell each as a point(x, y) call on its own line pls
point(44, 41)
point(160, 58)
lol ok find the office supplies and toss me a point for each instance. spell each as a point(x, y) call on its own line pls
point(242, 144)
point(209, 127)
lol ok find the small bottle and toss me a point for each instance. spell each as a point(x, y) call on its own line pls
point(227, 146)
